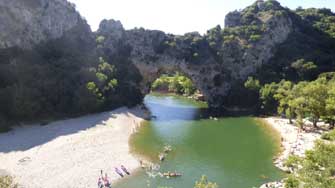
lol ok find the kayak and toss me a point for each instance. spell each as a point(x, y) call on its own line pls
point(125, 170)
point(118, 172)
point(172, 174)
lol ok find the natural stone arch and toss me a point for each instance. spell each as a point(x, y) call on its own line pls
point(203, 76)
point(152, 71)
point(218, 73)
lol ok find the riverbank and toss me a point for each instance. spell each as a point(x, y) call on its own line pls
point(293, 142)
point(71, 153)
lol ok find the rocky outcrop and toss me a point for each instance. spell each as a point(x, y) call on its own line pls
point(214, 70)
point(277, 31)
point(25, 23)
point(218, 62)
point(233, 19)
point(46, 50)
point(112, 28)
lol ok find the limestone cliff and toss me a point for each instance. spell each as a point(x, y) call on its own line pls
point(25, 23)
point(217, 62)
point(48, 52)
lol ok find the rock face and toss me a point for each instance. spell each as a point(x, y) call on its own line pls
point(112, 28)
point(233, 19)
point(46, 50)
point(215, 69)
point(25, 23)
point(218, 62)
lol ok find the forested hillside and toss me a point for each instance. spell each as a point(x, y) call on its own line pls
point(69, 70)
point(308, 54)
point(308, 51)
point(54, 78)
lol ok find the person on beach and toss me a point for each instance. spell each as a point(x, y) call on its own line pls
point(100, 184)
point(106, 181)
point(101, 180)
point(125, 170)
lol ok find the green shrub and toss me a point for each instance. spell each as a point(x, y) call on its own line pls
point(177, 83)
point(293, 161)
point(291, 182)
point(255, 38)
point(228, 39)
point(329, 136)
point(252, 84)
point(100, 39)
point(317, 169)
point(7, 182)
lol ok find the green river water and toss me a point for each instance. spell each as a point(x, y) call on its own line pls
point(233, 152)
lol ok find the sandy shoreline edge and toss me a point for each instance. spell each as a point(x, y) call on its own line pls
point(71, 153)
point(293, 141)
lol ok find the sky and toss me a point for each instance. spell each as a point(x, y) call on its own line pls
point(174, 16)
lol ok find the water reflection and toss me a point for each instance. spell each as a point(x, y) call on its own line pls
point(172, 109)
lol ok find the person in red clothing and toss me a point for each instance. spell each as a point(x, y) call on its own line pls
point(106, 181)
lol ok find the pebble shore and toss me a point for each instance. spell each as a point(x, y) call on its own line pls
point(71, 153)
point(293, 141)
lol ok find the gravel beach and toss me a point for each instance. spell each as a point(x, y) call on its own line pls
point(70, 153)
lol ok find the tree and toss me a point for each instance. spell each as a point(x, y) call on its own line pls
point(188, 86)
point(267, 93)
point(297, 102)
point(316, 94)
point(174, 85)
point(177, 84)
point(105, 82)
point(252, 84)
point(283, 95)
point(303, 68)
point(204, 183)
point(330, 105)
point(315, 99)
